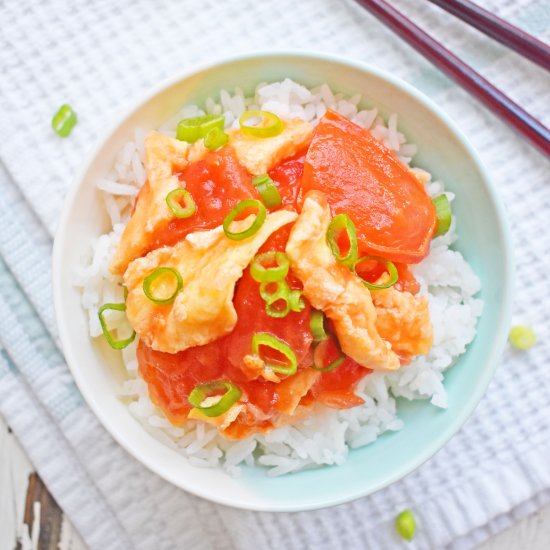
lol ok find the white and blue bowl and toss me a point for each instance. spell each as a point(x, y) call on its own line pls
point(483, 240)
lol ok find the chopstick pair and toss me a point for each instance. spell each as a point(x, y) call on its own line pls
point(528, 46)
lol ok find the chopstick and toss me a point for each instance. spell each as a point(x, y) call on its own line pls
point(502, 31)
point(463, 74)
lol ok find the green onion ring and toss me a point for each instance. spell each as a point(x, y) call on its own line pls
point(317, 326)
point(263, 274)
point(268, 191)
point(338, 223)
point(254, 227)
point(115, 344)
point(405, 525)
point(443, 213)
point(215, 138)
point(270, 124)
point(265, 339)
point(63, 121)
point(173, 200)
point(202, 391)
point(282, 292)
point(332, 365)
point(296, 301)
point(522, 337)
point(390, 267)
point(194, 128)
point(273, 310)
point(148, 282)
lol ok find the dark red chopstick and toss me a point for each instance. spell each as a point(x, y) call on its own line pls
point(500, 30)
point(463, 74)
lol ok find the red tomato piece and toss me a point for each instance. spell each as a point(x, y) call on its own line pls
point(406, 281)
point(393, 214)
point(335, 389)
point(371, 270)
point(293, 329)
point(172, 376)
point(287, 177)
point(216, 183)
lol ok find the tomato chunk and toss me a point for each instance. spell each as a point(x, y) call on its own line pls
point(293, 328)
point(394, 216)
point(335, 389)
point(216, 183)
point(287, 176)
point(171, 377)
point(371, 270)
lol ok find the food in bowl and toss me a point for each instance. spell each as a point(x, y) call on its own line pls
point(285, 275)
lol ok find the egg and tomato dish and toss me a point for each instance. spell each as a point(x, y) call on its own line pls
point(267, 269)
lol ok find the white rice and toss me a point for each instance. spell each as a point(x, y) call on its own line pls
point(326, 436)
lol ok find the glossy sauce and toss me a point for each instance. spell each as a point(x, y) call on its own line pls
point(216, 183)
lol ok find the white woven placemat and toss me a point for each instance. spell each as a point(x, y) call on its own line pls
point(96, 55)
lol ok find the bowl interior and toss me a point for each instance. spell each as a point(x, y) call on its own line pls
point(483, 239)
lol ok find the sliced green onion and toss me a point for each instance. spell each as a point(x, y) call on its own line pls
point(319, 350)
point(274, 297)
point(263, 274)
point(277, 309)
point(296, 301)
point(215, 138)
point(268, 125)
point(268, 191)
point(270, 341)
point(405, 525)
point(281, 291)
point(317, 326)
point(239, 209)
point(522, 337)
point(63, 121)
point(173, 200)
point(194, 128)
point(202, 391)
point(390, 268)
point(342, 222)
point(443, 213)
point(162, 286)
point(114, 343)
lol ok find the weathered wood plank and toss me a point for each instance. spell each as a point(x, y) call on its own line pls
point(29, 515)
point(15, 469)
point(51, 516)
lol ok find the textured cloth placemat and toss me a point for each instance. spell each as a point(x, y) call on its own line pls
point(97, 55)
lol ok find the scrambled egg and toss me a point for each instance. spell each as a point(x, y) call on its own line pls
point(259, 155)
point(403, 320)
point(163, 156)
point(331, 287)
point(210, 264)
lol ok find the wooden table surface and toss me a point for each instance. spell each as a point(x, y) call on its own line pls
point(31, 519)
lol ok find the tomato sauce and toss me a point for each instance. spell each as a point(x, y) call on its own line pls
point(331, 164)
point(287, 177)
point(216, 183)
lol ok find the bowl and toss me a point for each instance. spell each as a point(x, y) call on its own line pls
point(483, 239)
